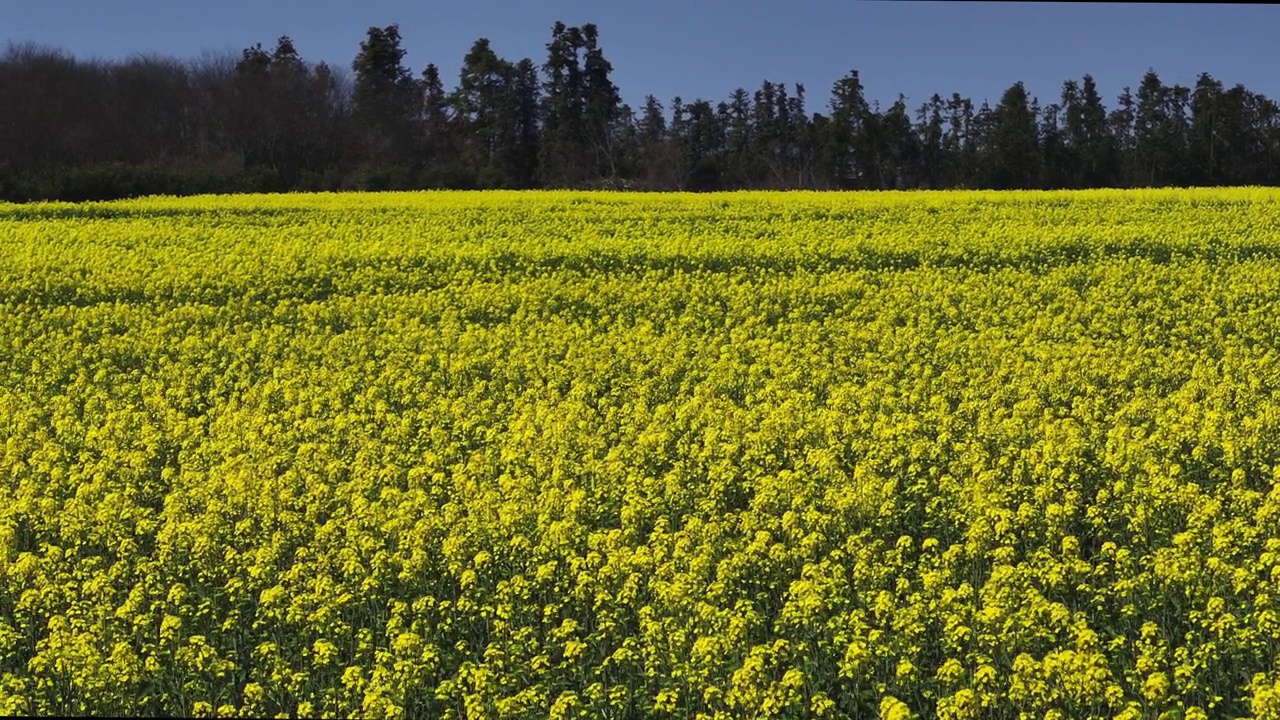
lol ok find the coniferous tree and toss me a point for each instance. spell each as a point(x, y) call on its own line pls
point(960, 143)
point(768, 131)
point(1122, 122)
point(1161, 130)
point(842, 161)
point(930, 133)
point(602, 105)
point(386, 98)
point(437, 140)
point(1013, 157)
point(563, 113)
point(1054, 153)
point(581, 108)
point(657, 156)
point(495, 110)
point(1096, 144)
point(899, 152)
point(700, 139)
point(1090, 145)
point(802, 143)
point(520, 157)
point(740, 167)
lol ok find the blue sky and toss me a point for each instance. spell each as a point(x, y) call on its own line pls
point(706, 48)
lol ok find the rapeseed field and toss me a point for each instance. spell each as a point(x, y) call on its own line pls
point(555, 454)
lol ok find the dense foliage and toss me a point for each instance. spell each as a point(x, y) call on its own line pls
point(268, 120)
point(591, 455)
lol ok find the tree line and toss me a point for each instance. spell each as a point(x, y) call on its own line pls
point(268, 120)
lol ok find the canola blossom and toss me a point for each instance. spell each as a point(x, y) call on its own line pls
point(589, 455)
